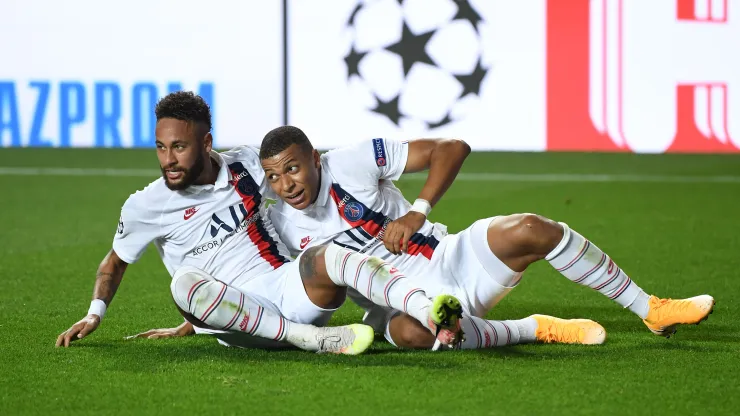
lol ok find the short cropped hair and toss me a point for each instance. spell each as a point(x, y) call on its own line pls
point(185, 106)
point(281, 138)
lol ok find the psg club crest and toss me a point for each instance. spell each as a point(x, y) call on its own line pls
point(353, 211)
point(420, 65)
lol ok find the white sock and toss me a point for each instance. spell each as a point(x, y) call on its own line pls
point(482, 333)
point(376, 280)
point(527, 330)
point(221, 306)
point(584, 263)
point(640, 306)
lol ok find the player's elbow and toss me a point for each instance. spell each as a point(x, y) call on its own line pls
point(457, 147)
point(464, 146)
point(112, 264)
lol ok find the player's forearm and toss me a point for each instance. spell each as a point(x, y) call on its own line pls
point(185, 329)
point(109, 277)
point(445, 162)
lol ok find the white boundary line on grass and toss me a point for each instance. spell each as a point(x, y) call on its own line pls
point(465, 176)
point(587, 177)
point(32, 171)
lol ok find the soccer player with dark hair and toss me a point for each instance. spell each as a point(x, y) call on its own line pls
point(347, 196)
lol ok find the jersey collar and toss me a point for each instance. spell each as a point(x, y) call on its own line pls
point(224, 173)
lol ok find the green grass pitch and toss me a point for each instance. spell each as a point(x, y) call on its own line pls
point(676, 236)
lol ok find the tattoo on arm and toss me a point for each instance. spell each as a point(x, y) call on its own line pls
point(107, 280)
point(106, 286)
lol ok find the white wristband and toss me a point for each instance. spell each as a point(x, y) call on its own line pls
point(423, 206)
point(97, 307)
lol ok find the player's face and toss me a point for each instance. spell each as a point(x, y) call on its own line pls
point(294, 175)
point(181, 151)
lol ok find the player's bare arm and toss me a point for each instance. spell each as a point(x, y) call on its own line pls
point(443, 158)
point(108, 278)
point(183, 330)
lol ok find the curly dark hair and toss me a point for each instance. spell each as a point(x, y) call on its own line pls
point(281, 138)
point(185, 106)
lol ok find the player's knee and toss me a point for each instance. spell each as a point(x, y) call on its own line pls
point(188, 284)
point(534, 233)
point(193, 290)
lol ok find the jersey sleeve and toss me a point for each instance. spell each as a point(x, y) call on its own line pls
point(248, 156)
point(373, 159)
point(137, 227)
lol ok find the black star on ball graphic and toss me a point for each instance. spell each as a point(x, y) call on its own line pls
point(465, 11)
point(472, 82)
point(445, 120)
point(353, 62)
point(412, 48)
point(389, 109)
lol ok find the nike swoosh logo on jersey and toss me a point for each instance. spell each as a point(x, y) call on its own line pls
point(190, 212)
point(305, 241)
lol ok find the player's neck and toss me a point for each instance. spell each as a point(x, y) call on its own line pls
point(209, 174)
point(318, 190)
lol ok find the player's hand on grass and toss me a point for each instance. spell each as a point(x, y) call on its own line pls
point(181, 331)
point(398, 232)
point(79, 330)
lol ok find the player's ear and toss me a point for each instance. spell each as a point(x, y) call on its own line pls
point(316, 158)
point(208, 142)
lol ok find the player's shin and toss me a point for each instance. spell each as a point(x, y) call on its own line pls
point(584, 263)
point(222, 307)
point(378, 281)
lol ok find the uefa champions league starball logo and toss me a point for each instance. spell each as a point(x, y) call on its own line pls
point(416, 61)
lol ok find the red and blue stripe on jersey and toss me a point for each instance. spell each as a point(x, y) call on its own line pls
point(370, 223)
point(248, 190)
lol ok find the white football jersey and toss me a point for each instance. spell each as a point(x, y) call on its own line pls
point(356, 202)
point(222, 228)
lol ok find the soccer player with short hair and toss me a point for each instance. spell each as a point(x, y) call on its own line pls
point(231, 275)
point(347, 196)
